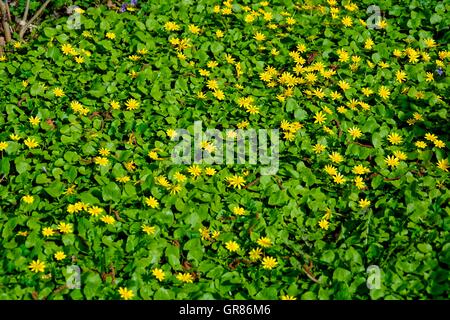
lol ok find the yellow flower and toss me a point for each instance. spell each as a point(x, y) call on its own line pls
point(259, 36)
point(151, 202)
point(359, 183)
point(395, 138)
point(102, 161)
point(332, 171)
point(384, 92)
point(368, 44)
point(339, 178)
point(210, 171)
point(58, 92)
point(28, 199)
point(215, 234)
point(171, 133)
point(3, 145)
point(443, 164)
point(150, 230)
point(153, 155)
point(114, 105)
point(194, 170)
point(104, 151)
point(179, 177)
point(236, 181)
point(194, 29)
point(344, 85)
point(439, 143)
point(269, 263)
point(364, 203)
point(65, 227)
point(130, 165)
point(174, 189)
point(219, 34)
point(2, 58)
point(79, 59)
point(219, 94)
point(123, 179)
point(429, 77)
point(37, 266)
point(355, 132)
point(392, 161)
point(324, 224)
point(111, 35)
point(67, 48)
point(162, 181)
point(108, 219)
point(48, 232)
point(400, 155)
point(320, 117)
point(347, 21)
point(142, 51)
point(287, 297)
point(400, 76)
point(232, 246)
point(95, 211)
point(125, 293)
point(132, 104)
point(264, 242)
point(60, 255)
point(367, 91)
point(336, 157)
point(171, 26)
point(421, 144)
point(255, 254)
point(239, 211)
point(76, 106)
point(34, 120)
point(429, 42)
point(431, 137)
point(134, 57)
point(360, 169)
point(159, 274)
point(185, 277)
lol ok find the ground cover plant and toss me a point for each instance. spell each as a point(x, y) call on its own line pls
point(92, 205)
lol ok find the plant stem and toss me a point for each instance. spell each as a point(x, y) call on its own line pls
point(36, 15)
point(5, 24)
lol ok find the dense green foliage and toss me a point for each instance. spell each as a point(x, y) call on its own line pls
point(100, 103)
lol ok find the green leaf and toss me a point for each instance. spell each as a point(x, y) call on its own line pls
point(156, 92)
point(111, 191)
point(55, 189)
point(173, 256)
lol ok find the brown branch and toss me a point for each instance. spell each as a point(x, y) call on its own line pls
point(59, 289)
point(25, 14)
point(279, 182)
point(116, 214)
point(2, 45)
point(5, 24)
point(384, 179)
point(307, 270)
point(19, 103)
point(391, 179)
point(252, 183)
point(363, 145)
point(8, 13)
point(339, 127)
point(36, 15)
